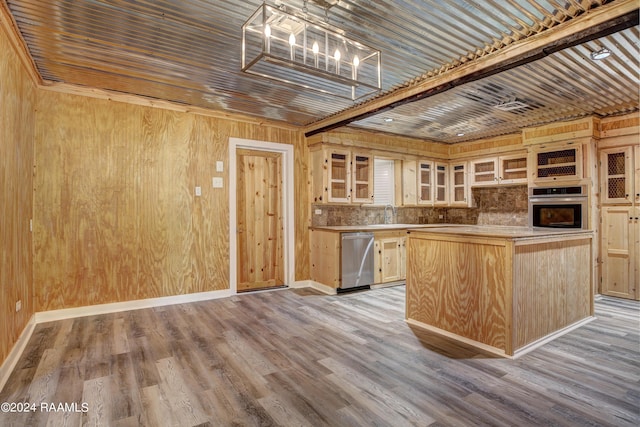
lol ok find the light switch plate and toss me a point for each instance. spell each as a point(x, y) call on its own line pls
point(198, 191)
point(219, 166)
point(217, 182)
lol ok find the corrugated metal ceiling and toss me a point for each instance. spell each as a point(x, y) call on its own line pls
point(189, 52)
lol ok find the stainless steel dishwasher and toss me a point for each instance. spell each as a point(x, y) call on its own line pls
point(357, 260)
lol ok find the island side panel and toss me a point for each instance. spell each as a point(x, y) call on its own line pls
point(461, 286)
point(552, 286)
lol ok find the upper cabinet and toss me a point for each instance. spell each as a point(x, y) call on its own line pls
point(620, 175)
point(441, 192)
point(409, 182)
point(502, 170)
point(558, 163)
point(459, 195)
point(636, 190)
point(513, 169)
point(339, 173)
point(362, 178)
point(616, 171)
point(425, 182)
point(341, 176)
point(484, 171)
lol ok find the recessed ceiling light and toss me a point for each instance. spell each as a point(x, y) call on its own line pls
point(388, 120)
point(600, 54)
point(461, 134)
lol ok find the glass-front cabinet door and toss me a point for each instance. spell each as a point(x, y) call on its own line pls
point(362, 175)
point(513, 169)
point(425, 182)
point(338, 175)
point(458, 184)
point(484, 172)
point(441, 175)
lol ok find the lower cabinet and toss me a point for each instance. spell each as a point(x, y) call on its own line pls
point(390, 258)
point(325, 258)
point(620, 252)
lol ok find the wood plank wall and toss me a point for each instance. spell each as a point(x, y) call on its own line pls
point(17, 117)
point(116, 218)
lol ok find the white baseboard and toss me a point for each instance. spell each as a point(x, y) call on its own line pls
point(69, 313)
point(10, 362)
point(91, 310)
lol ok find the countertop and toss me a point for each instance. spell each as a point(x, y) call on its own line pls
point(378, 227)
point(502, 231)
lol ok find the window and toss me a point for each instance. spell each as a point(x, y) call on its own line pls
point(383, 182)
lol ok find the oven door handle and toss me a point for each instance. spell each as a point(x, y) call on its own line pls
point(555, 199)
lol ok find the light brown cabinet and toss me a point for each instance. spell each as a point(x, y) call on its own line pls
point(341, 176)
point(484, 172)
point(616, 183)
point(409, 182)
point(389, 261)
point(417, 182)
point(389, 256)
point(502, 170)
point(636, 167)
point(425, 182)
point(361, 178)
point(620, 251)
point(620, 221)
point(325, 257)
point(459, 188)
point(339, 169)
point(556, 163)
point(441, 188)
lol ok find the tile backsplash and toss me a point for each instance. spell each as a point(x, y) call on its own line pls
point(494, 206)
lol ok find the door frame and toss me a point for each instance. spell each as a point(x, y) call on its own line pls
point(288, 219)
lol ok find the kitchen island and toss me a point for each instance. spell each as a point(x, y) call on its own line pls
point(503, 289)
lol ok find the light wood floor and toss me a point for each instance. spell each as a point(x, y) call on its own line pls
point(298, 358)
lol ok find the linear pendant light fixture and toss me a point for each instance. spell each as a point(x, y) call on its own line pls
point(282, 44)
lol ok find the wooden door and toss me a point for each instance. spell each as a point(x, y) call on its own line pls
point(617, 252)
point(259, 220)
point(391, 269)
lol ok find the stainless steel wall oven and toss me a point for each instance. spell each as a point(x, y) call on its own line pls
point(558, 207)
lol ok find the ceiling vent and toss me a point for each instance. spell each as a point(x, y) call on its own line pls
point(514, 104)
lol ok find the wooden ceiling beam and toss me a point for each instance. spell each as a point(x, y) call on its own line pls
point(605, 20)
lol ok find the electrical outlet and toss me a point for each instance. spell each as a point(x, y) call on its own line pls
point(440, 216)
point(318, 211)
point(18, 305)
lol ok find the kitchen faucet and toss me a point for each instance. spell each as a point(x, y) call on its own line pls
point(388, 219)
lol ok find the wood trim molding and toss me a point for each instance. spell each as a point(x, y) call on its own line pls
point(544, 340)
point(314, 285)
point(159, 103)
point(476, 344)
